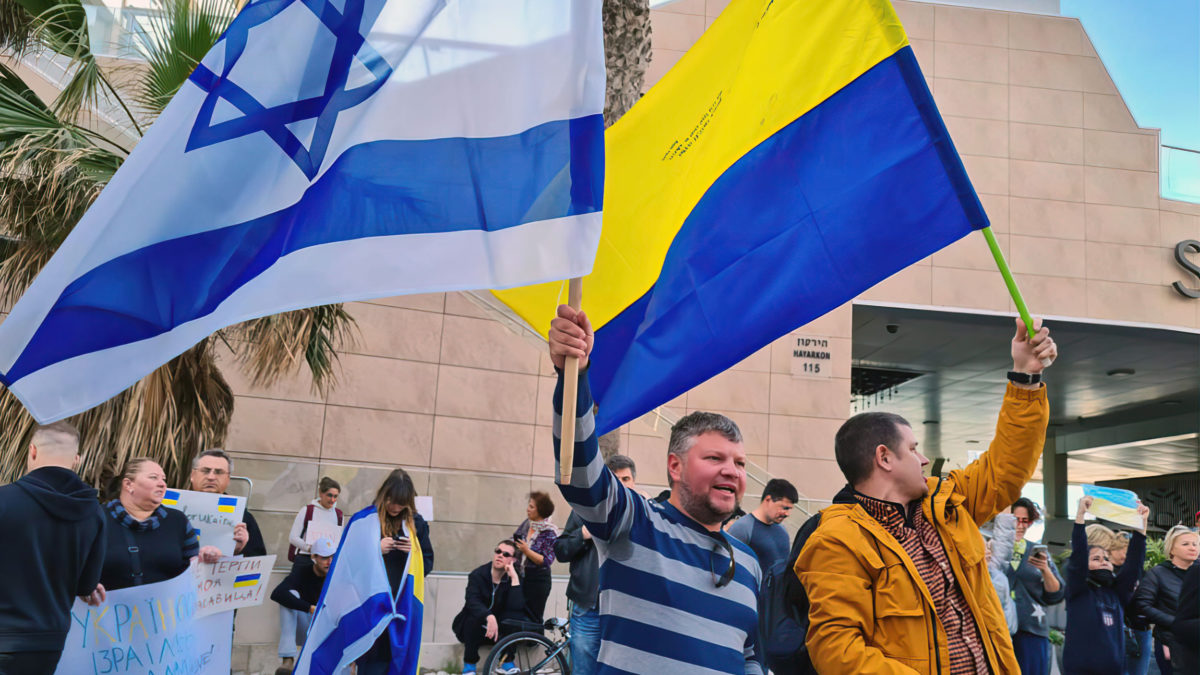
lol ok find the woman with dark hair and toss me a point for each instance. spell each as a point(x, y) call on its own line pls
point(147, 542)
point(319, 516)
point(395, 502)
point(1036, 584)
point(535, 539)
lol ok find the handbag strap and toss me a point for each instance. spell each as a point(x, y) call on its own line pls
point(135, 558)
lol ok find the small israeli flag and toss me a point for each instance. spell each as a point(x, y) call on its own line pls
point(327, 151)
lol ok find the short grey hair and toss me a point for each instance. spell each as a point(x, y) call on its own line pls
point(213, 453)
point(688, 428)
point(59, 439)
point(618, 462)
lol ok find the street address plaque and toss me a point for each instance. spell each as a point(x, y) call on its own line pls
point(812, 357)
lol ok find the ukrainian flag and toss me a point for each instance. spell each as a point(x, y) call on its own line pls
point(246, 580)
point(792, 159)
point(227, 504)
point(170, 498)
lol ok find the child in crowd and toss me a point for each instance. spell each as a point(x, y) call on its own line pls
point(1096, 598)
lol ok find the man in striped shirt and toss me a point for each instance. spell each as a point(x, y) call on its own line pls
point(677, 595)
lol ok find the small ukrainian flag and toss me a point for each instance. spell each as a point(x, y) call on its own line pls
point(170, 498)
point(246, 580)
point(226, 504)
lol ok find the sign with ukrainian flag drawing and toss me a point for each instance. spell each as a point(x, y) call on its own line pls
point(232, 583)
point(149, 630)
point(212, 515)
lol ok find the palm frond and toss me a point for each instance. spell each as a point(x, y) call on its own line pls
point(16, 27)
point(179, 37)
point(274, 346)
point(172, 414)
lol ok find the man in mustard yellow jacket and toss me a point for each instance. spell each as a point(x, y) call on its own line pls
point(895, 574)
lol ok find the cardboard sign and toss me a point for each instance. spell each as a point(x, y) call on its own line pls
point(1114, 504)
point(232, 583)
point(148, 630)
point(214, 516)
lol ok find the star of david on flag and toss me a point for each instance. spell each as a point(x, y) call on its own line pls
point(327, 151)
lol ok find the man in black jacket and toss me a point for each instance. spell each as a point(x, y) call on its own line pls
point(493, 597)
point(55, 521)
point(210, 473)
point(300, 591)
point(575, 546)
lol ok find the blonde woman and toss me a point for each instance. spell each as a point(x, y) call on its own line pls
point(1158, 594)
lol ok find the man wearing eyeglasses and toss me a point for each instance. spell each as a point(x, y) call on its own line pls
point(493, 599)
point(677, 594)
point(895, 572)
point(210, 473)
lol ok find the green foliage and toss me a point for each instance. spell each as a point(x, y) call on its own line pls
point(179, 38)
point(1056, 637)
point(1154, 552)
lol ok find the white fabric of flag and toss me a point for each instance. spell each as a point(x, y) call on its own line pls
point(327, 151)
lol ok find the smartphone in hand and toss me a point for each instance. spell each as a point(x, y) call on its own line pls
point(1040, 549)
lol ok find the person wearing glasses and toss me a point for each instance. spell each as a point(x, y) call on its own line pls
point(895, 573)
point(1036, 584)
point(210, 473)
point(494, 599)
point(677, 594)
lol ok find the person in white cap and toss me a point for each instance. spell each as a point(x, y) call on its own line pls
point(297, 596)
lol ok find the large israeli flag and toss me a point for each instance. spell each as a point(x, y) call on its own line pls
point(325, 151)
point(357, 606)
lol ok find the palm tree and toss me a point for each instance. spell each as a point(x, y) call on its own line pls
point(53, 164)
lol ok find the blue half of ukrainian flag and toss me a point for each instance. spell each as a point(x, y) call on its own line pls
point(244, 580)
point(226, 504)
point(170, 498)
point(792, 159)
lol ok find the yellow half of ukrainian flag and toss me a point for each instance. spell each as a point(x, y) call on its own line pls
point(791, 159)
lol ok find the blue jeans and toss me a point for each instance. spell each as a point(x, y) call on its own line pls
point(585, 640)
point(1033, 653)
point(1141, 664)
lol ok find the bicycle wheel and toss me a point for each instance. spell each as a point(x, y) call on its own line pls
point(530, 654)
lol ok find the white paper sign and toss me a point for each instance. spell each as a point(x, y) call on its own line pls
point(232, 583)
point(214, 516)
point(317, 531)
point(148, 630)
point(425, 507)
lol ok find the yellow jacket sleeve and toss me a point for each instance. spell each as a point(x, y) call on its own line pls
point(841, 611)
point(994, 481)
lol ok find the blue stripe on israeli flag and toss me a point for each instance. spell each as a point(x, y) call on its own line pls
point(422, 146)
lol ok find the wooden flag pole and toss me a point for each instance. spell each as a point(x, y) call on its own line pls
point(1009, 281)
point(566, 447)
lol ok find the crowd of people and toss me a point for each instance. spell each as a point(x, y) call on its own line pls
point(902, 573)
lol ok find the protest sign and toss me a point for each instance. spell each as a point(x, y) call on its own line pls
point(148, 630)
point(1114, 504)
point(214, 516)
point(232, 583)
point(317, 531)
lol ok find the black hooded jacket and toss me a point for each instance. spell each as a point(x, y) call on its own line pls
point(54, 528)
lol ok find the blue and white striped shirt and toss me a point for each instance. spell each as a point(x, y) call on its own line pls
point(660, 610)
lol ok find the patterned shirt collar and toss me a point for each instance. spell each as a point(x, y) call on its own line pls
point(889, 514)
point(125, 519)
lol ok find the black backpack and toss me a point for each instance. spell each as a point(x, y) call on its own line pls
point(783, 611)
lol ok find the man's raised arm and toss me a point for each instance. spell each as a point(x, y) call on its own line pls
point(994, 481)
point(593, 493)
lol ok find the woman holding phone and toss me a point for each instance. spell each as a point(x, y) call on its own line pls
point(1036, 584)
point(395, 502)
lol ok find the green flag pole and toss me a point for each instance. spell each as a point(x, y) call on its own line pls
point(1008, 279)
